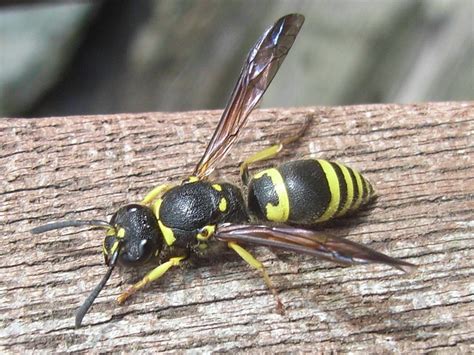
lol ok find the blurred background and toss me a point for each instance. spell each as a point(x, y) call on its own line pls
point(97, 57)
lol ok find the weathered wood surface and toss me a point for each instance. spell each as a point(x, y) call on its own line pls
point(418, 156)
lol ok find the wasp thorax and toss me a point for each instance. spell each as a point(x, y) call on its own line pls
point(136, 230)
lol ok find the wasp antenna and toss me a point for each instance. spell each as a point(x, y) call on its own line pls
point(82, 311)
point(74, 223)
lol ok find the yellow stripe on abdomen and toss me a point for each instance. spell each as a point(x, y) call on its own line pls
point(359, 187)
point(333, 183)
point(350, 189)
point(280, 211)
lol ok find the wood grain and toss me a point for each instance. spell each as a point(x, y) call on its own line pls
point(419, 158)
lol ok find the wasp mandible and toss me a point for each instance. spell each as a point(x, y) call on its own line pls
point(174, 223)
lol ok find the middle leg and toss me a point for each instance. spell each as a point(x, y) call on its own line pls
point(253, 262)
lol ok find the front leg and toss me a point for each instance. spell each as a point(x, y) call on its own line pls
point(153, 275)
point(157, 191)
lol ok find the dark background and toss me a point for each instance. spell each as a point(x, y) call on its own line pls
point(77, 57)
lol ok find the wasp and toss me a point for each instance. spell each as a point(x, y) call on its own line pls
point(175, 222)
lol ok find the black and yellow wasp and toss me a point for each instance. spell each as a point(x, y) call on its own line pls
point(176, 222)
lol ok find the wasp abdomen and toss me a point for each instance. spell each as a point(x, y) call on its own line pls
point(307, 192)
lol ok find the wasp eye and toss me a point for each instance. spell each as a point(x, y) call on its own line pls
point(137, 253)
point(145, 249)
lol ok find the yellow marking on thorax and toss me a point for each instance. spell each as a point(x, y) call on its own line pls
point(191, 179)
point(350, 190)
point(167, 232)
point(159, 190)
point(223, 204)
point(223, 201)
point(334, 189)
point(156, 207)
point(281, 211)
point(203, 246)
point(206, 233)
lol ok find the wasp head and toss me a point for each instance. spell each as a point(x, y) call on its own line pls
point(135, 231)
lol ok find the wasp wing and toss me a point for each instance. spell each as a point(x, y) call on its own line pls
point(307, 241)
point(260, 67)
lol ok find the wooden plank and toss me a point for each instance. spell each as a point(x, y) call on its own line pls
point(419, 158)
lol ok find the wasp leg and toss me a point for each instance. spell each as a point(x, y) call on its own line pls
point(250, 259)
point(264, 154)
point(153, 194)
point(269, 152)
point(153, 275)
